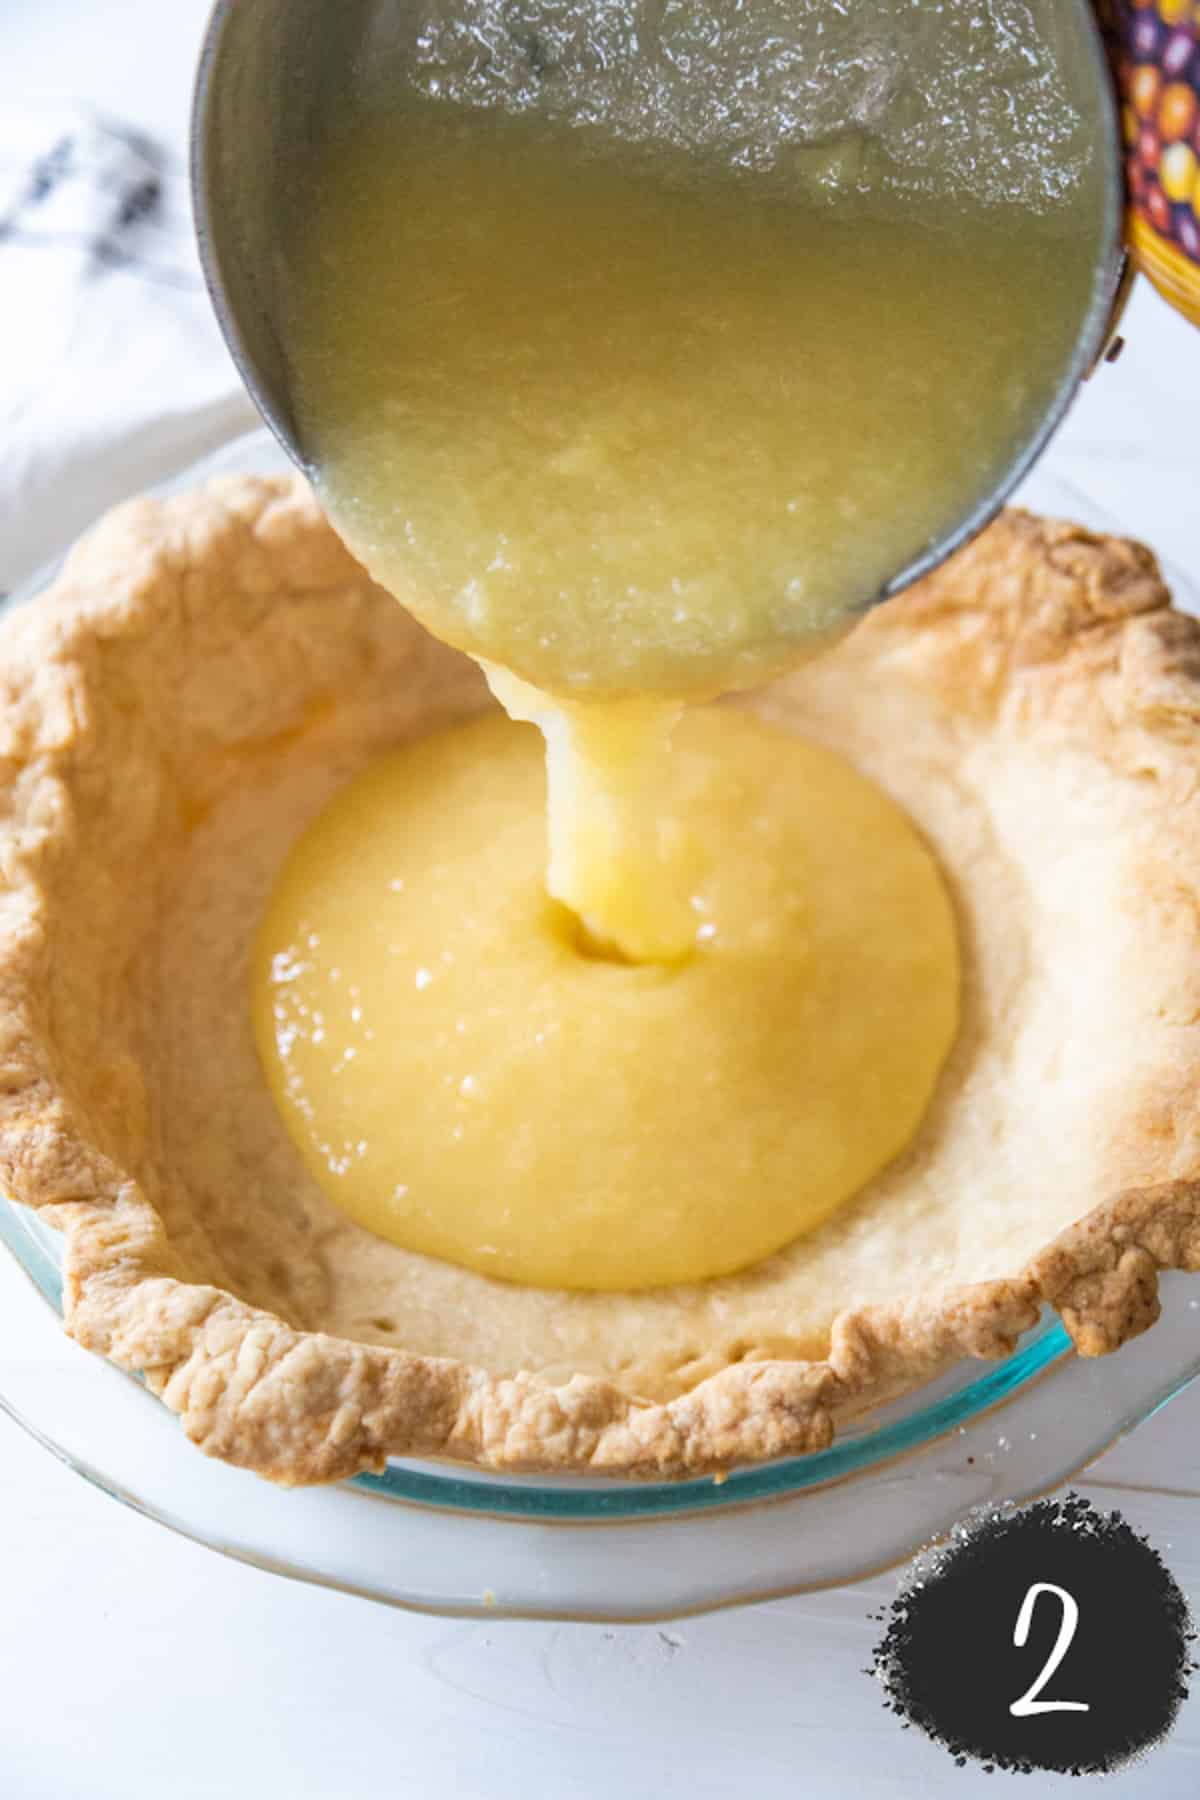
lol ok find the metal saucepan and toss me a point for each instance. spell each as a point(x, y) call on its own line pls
point(275, 75)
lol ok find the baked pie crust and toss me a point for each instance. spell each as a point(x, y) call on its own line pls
point(204, 674)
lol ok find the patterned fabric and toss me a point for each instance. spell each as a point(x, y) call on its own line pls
point(111, 365)
point(100, 191)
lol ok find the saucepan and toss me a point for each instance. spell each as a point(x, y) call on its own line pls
point(278, 75)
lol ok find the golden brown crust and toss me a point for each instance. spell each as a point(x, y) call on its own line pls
point(143, 659)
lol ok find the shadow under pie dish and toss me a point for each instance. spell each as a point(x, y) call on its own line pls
point(209, 670)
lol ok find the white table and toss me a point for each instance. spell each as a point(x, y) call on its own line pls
point(133, 1663)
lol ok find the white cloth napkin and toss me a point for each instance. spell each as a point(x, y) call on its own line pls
point(112, 369)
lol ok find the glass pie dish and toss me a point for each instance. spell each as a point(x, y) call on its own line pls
point(435, 1536)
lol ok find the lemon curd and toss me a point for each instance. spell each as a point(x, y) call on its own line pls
point(633, 424)
point(461, 1078)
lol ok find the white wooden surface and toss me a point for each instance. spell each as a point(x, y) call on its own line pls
point(134, 1664)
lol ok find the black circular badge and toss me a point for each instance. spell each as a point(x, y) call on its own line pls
point(1051, 1637)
